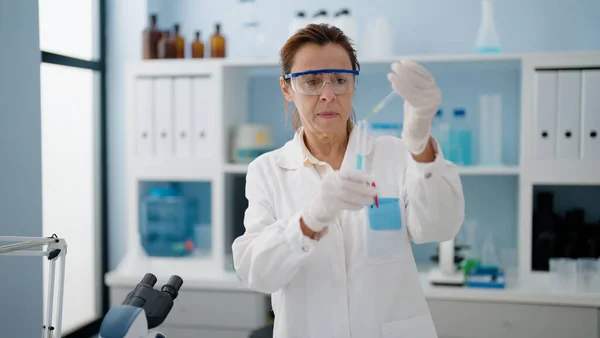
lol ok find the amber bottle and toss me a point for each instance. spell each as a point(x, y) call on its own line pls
point(166, 46)
point(197, 47)
point(179, 43)
point(150, 38)
point(217, 43)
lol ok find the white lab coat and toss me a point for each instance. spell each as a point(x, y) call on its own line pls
point(329, 288)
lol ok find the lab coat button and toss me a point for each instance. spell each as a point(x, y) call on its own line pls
point(305, 248)
point(427, 175)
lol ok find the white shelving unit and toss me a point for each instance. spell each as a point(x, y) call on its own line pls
point(207, 98)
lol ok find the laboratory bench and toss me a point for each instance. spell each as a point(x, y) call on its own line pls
point(221, 306)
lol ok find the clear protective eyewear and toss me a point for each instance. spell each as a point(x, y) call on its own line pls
point(312, 82)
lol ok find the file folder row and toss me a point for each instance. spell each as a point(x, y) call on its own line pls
point(567, 114)
point(173, 117)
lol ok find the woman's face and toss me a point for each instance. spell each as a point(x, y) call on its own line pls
point(328, 112)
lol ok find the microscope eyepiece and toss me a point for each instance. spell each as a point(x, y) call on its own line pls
point(149, 279)
point(173, 285)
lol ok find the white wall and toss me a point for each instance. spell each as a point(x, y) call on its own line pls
point(20, 166)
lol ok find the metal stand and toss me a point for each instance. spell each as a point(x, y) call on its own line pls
point(54, 248)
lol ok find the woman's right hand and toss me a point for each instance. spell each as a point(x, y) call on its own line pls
point(340, 190)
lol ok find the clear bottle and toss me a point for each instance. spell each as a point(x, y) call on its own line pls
point(440, 130)
point(179, 43)
point(320, 17)
point(487, 37)
point(297, 23)
point(345, 21)
point(217, 43)
point(150, 38)
point(490, 139)
point(197, 47)
point(460, 139)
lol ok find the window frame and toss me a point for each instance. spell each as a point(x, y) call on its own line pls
point(99, 66)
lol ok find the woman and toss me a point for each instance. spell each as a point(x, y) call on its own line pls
point(335, 268)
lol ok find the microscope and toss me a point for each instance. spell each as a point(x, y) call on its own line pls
point(142, 310)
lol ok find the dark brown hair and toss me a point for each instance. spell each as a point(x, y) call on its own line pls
point(321, 35)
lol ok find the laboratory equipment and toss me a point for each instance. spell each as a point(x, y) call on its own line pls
point(440, 130)
point(487, 37)
point(563, 274)
point(217, 43)
point(385, 129)
point(490, 277)
point(447, 273)
point(587, 275)
point(251, 141)
point(381, 104)
point(150, 38)
point(320, 17)
point(144, 309)
point(197, 47)
point(345, 21)
point(179, 42)
point(166, 46)
point(298, 22)
point(167, 223)
point(377, 39)
point(361, 150)
point(460, 139)
point(252, 42)
point(490, 139)
point(55, 249)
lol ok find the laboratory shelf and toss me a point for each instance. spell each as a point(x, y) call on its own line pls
point(169, 169)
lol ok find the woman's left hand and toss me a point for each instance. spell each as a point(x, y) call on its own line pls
point(422, 98)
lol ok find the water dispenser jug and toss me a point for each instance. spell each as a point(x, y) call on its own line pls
point(167, 223)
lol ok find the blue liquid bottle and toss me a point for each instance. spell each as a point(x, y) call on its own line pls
point(167, 223)
point(460, 140)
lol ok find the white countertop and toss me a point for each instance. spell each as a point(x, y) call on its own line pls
point(535, 292)
point(204, 276)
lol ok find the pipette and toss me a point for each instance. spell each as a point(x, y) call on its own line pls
point(381, 104)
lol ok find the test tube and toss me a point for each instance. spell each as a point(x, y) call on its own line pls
point(361, 145)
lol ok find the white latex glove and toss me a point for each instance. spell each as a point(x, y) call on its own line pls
point(422, 98)
point(340, 190)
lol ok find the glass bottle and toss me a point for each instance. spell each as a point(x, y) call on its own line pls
point(487, 36)
point(197, 47)
point(166, 46)
point(150, 38)
point(179, 43)
point(217, 43)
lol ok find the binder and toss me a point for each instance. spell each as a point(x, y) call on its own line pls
point(143, 110)
point(590, 112)
point(182, 99)
point(163, 116)
point(546, 88)
point(202, 99)
point(569, 114)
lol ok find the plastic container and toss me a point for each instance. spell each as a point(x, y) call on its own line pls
point(490, 132)
point(377, 39)
point(345, 21)
point(320, 17)
point(460, 139)
point(487, 37)
point(167, 223)
point(440, 130)
point(298, 22)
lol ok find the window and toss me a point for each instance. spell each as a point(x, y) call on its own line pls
point(73, 153)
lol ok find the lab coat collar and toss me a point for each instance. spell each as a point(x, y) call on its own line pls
point(292, 158)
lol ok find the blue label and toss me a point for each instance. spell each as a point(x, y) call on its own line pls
point(387, 216)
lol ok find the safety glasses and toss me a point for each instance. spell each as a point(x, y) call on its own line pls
point(312, 82)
